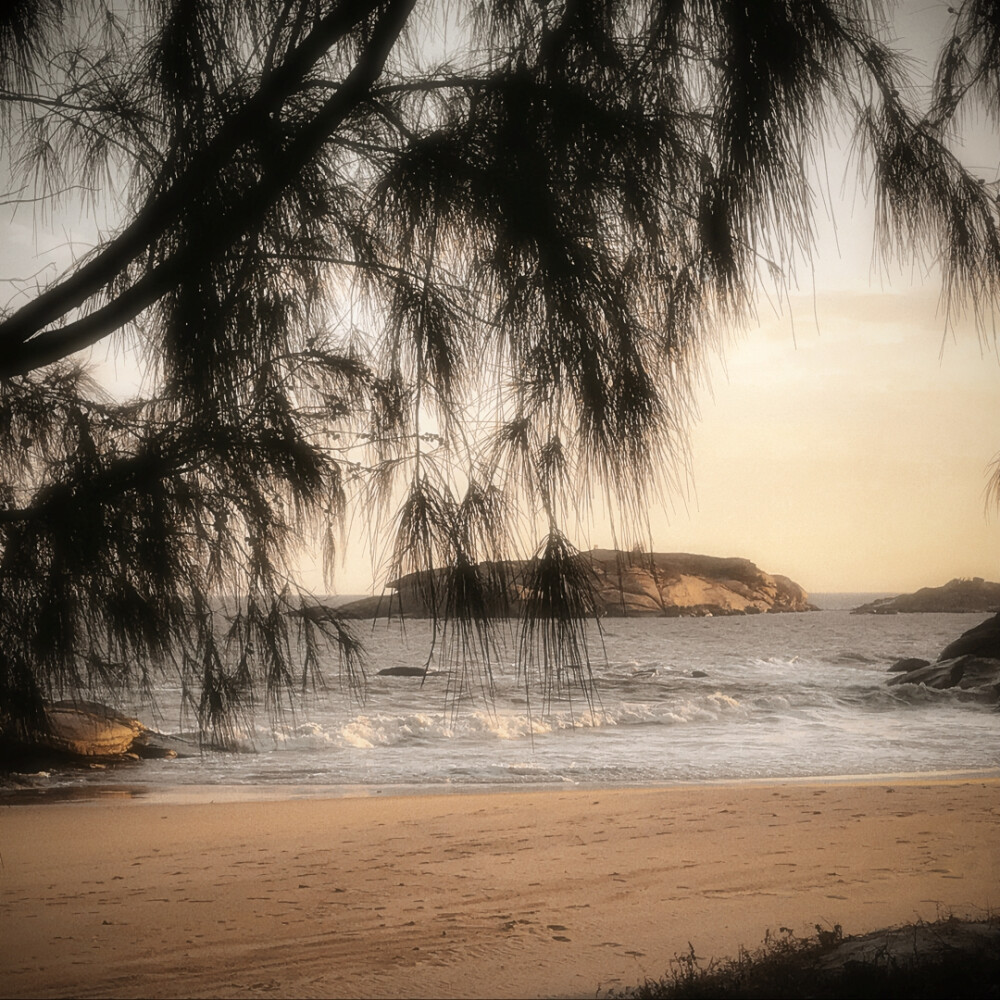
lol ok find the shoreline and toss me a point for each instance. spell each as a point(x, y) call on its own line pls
point(139, 793)
point(519, 892)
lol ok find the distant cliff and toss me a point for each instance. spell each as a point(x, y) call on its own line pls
point(957, 596)
point(630, 585)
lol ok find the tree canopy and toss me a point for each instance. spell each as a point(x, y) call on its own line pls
point(445, 267)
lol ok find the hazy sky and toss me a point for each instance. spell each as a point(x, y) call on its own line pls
point(844, 439)
point(852, 458)
point(851, 454)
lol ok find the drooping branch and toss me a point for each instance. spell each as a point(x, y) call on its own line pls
point(539, 233)
point(250, 124)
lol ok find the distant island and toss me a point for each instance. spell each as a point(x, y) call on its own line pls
point(957, 596)
point(628, 584)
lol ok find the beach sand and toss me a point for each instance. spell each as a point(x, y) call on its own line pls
point(509, 894)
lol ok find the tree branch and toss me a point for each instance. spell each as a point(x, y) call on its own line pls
point(217, 233)
point(249, 123)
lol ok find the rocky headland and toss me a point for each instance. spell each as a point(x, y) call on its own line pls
point(625, 584)
point(957, 597)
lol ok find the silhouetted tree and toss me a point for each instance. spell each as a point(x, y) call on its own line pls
point(444, 266)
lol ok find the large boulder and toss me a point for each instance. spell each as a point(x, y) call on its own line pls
point(982, 640)
point(978, 672)
point(971, 662)
point(86, 729)
point(965, 672)
point(89, 730)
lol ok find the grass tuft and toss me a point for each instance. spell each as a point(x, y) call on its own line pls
point(920, 961)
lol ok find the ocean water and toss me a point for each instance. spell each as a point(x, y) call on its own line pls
point(782, 696)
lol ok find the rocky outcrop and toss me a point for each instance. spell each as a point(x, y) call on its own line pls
point(87, 730)
point(678, 583)
point(971, 662)
point(957, 596)
point(965, 672)
point(626, 585)
point(981, 640)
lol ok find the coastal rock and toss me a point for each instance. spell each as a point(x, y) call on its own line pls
point(403, 672)
point(971, 662)
point(934, 675)
point(89, 730)
point(957, 596)
point(964, 672)
point(86, 729)
point(908, 663)
point(982, 640)
point(978, 672)
point(158, 746)
point(625, 585)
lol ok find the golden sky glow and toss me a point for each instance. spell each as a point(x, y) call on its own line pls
point(846, 442)
point(853, 457)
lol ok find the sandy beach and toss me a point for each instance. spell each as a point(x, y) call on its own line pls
point(504, 894)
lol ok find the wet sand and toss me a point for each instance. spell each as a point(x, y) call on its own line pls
point(545, 893)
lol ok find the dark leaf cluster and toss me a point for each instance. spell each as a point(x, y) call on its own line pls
point(445, 268)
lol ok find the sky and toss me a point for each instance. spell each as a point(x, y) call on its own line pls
point(843, 439)
point(852, 457)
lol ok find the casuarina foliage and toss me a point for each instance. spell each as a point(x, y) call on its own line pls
point(444, 269)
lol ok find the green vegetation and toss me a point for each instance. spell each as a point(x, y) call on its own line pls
point(950, 958)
